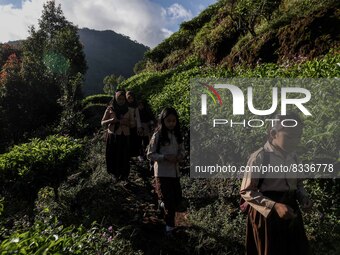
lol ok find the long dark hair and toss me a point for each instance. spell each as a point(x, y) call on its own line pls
point(132, 94)
point(118, 109)
point(164, 138)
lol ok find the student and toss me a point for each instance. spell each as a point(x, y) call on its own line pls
point(118, 119)
point(166, 150)
point(135, 128)
point(274, 223)
point(147, 122)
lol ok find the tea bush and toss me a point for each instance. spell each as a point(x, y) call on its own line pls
point(39, 157)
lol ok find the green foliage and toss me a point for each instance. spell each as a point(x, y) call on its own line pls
point(25, 108)
point(139, 66)
point(146, 83)
point(322, 223)
point(6, 50)
point(44, 86)
point(204, 17)
point(57, 56)
point(247, 13)
point(171, 88)
point(111, 82)
point(44, 238)
point(267, 30)
point(39, 157)
point(103, 99)
point(55, 45)
point(71, 119)
point(93, 113)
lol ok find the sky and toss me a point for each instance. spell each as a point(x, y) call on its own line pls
point(146, 21)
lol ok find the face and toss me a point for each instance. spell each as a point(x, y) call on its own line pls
point(120, 100)
point(170, 122)
point(287, 138)
point(130, 99)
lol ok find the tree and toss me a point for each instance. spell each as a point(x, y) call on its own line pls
point(72, 119)
point(36, 89)
point(246, 13)
point(53, 56)
point(5, 51)
point(10, 70)
point(111, 83)
point(56, 39)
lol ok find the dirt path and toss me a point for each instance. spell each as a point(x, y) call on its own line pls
point(148, 229)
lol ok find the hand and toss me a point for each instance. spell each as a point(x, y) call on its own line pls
point(114, 120)
point(284, 211)
point(171, 158)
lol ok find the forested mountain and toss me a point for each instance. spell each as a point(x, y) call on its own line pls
point(108, 53)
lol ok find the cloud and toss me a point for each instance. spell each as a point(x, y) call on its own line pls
point(178, 12)
point(167, 32)
point(142, 20)
point(14, 22)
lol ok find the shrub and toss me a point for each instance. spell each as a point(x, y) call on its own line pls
point(103, 99)
point(40, 157)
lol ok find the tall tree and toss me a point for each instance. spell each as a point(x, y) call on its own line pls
point(56, 44)
point(57, 54)
point(43, 87)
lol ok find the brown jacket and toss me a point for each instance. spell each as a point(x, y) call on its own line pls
point(249, 190)
point(126, 122)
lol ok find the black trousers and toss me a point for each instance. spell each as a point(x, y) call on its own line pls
point(169, 191)
point(117, 155)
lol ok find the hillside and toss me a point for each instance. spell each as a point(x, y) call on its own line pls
point(108, 53)
point(287, 40)
point(231, 38)
point(233, 33)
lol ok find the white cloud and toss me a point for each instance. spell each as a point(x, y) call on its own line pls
point(14, 22)
point(178, 12)
point(141, 20)
point(167, 32)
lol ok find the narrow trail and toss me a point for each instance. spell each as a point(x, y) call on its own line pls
point(146, 227)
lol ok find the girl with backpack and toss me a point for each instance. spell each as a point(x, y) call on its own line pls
point(166, 150)
point(274, 222)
